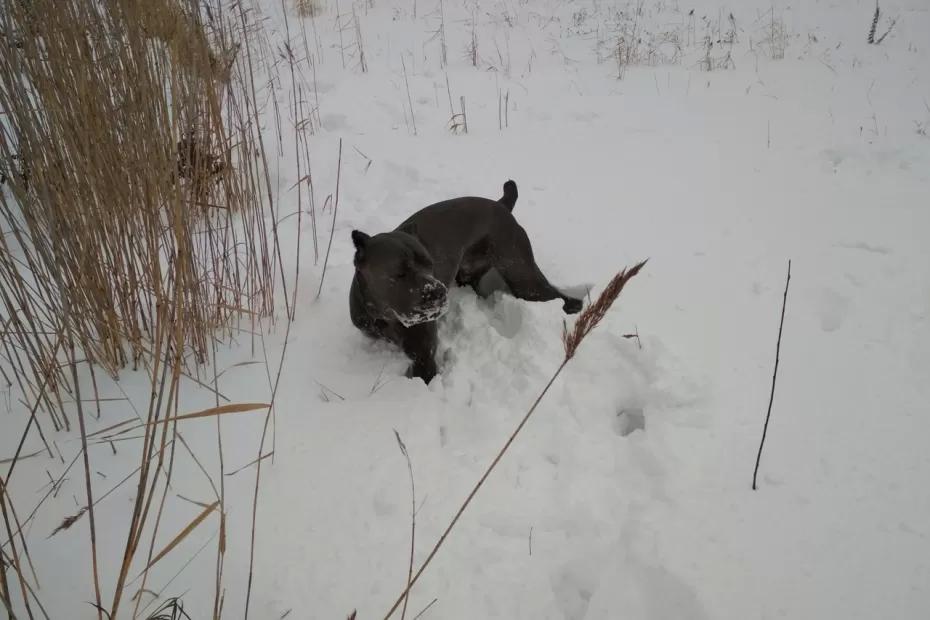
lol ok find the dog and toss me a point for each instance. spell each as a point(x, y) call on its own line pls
point(402, 277)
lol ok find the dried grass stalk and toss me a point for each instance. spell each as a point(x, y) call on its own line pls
point(190, 527)
point(586, 322)
point(592, 315)
point(131, 122)
point(134, 211)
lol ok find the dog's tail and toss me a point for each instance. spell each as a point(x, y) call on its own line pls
point(509, 199)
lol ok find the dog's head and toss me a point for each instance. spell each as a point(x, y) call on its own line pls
point(397, 274)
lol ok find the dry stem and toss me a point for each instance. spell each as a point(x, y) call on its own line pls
point(586, 322)
point(768, 413)
point(413, 521)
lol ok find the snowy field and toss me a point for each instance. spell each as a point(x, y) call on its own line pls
point(718, 164)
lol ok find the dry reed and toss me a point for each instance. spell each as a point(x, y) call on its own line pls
point(413, 520)
point(768, 413)
point(141, 191)
point(135, 201)
point(586, 322)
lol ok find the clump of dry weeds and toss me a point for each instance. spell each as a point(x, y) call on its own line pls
point(143, 197)
point(134, 207)
point(308, 8)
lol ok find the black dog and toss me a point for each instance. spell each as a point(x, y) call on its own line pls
point(401, 277)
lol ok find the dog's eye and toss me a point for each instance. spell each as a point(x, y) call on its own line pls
point(402, 272)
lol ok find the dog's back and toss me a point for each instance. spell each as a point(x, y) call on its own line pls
point(459, 221)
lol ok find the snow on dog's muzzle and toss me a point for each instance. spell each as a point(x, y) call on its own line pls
point(435, 304)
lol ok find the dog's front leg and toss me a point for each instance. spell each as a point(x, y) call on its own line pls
point(419, 343)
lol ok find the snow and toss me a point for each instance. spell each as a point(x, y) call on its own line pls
point(628, 493)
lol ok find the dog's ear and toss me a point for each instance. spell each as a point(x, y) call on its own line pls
point(360, 239)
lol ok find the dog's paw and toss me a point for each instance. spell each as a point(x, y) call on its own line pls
point(426, 372)
point(572, 306)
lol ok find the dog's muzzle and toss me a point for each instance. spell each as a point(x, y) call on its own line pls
point(434, 303)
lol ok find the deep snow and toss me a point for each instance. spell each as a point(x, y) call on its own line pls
point(719, 178)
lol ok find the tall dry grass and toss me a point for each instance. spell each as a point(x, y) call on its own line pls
point(142, 195)
point(134, 208)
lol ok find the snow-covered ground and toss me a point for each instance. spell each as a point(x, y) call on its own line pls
point(719, 178)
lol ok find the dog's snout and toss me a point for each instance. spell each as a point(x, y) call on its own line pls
point(433, 291)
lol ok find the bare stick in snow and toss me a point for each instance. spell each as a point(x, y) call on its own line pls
point(368, 159)
point(359, 42)
point(425, 609)
point(87, 484)
point(765, 428)
point(261, 443)
point(464, 117)
point(342, 47)
point(442, 37)
point(449, 92)
point(507, 109)
point(413, 520)
point(409, 100)
point(472, 48)
point(332, 230)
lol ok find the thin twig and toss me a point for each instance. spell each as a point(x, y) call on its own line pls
point(409, 100)
point(261, 447)
point(5, 558)
point(250, 463)
point(32, 416)
point(425, 609)
point(464, 117)
point(413, 520)
point(768, 414)
point(90, 496)
point(333, 228)
point(14, 559)
point(221, 545)
point(3, 592)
